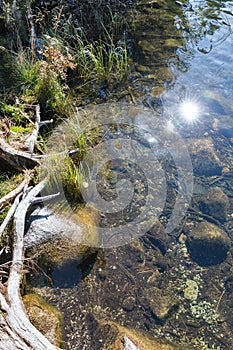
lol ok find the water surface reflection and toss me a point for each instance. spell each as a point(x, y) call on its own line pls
point(181, 67)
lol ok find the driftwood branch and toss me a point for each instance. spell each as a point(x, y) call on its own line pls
point(10, 214)
point(11, 195)
point(16, 331)
point(19, 160)
point(31, 140)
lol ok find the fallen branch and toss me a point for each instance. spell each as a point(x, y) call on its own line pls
point(11, 195)
point(10, 214)
point(31, 140)
point(19, 160)
point(16, 331)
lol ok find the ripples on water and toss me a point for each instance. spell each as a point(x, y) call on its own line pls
point(182, 66)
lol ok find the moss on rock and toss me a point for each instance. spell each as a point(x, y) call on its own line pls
point(45, 317)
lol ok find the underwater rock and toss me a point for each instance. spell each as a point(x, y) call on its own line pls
point(158, 236)
point(208, 244)
point(143, 69)
point(159, 302)
point(224, 125)
point(44, 317)
point(129, 303)
point(204, 158)
point(57, 239)
point(191, 290)
point(215, 203)
point(116, 337)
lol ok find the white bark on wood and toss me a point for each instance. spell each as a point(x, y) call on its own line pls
point(11, 195)
point(31, 140)
point(19, 160)
point(10, 214)
point(15, 327)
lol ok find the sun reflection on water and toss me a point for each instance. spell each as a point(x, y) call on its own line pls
point(189, 111)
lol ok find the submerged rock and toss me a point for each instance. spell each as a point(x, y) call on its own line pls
point(191, 290)
point(59, 239)
point(158, 236)
point(44, 317)
point(204, 158)
point(215, 203)
point(116, 337)
point(208, 244)
point(160, 302)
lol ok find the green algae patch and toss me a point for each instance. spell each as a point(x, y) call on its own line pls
point(45, 317)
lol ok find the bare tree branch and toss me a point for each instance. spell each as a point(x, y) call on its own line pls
point(11, 195)
point(31, 140)
point(13, 318)
point(19, 160)
point(10, 214)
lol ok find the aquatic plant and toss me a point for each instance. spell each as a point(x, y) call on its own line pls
point(61, 167)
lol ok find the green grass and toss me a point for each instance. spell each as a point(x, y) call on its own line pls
point(26, 72)
point(67, 53)
point(62, 169)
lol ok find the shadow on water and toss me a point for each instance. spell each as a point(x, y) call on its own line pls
point(66, 274)
point(69, 274)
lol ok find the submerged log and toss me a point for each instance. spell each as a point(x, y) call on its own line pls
point(16, 331)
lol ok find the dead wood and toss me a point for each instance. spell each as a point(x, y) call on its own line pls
point(19, 160)
point(11, 195)
point(10, 214)
point(16, 331)
point(31, 140)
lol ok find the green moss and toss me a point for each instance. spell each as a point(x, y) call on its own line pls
point(20, 129)
point(45, 317)
point(12, 111)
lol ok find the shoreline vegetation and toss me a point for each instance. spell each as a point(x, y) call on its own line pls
point(45, 51)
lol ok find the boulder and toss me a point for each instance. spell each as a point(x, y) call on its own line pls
point(215, 203)
point(208, 244)
point(44, 224)
point(60, 242)
point(204, 158)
